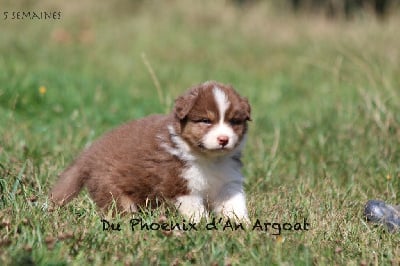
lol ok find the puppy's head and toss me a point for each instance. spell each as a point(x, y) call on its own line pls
point(212, 118)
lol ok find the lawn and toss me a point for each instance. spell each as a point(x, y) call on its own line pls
point(324, 139)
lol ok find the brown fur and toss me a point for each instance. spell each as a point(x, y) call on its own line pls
point(125, 162)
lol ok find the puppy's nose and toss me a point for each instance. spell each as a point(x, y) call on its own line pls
point(223, 140)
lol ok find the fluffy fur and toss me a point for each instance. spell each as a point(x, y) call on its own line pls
point(190, 157)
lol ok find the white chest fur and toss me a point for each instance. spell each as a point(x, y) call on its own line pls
point(215, 184)
point(207, 178)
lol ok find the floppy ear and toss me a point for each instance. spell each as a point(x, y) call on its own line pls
point(185, 103)
point(246, 107)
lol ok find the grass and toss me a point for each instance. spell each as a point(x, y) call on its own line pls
point(324, 138)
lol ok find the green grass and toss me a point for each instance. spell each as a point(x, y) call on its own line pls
point(324, 139)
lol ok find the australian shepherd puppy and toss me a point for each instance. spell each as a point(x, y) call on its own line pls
point(190, 157)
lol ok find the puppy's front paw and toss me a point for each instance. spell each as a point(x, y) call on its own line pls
point(191, 207)
point(232, 205)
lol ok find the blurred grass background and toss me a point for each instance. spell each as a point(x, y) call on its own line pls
point(323, 82)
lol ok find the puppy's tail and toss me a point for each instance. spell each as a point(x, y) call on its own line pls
point(68, 185)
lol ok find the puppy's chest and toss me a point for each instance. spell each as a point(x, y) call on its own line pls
point(207, 178)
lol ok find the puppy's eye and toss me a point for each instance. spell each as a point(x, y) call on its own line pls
point(235, 121)
point(203, 120)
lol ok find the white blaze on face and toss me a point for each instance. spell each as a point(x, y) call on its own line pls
point(221, 130)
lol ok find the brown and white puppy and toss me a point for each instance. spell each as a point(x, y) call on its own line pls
point(190, 157)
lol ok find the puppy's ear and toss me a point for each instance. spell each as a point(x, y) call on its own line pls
point(246, 107)
point(185, 103)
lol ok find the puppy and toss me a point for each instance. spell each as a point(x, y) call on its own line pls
point(190, 157)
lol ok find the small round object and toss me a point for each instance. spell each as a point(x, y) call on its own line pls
point(378, 211)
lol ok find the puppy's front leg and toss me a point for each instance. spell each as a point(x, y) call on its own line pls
point(231, 203)
point(191, 206)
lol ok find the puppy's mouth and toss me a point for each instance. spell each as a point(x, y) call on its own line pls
point(220, 148)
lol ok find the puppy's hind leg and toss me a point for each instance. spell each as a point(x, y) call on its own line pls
point(126, 204)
